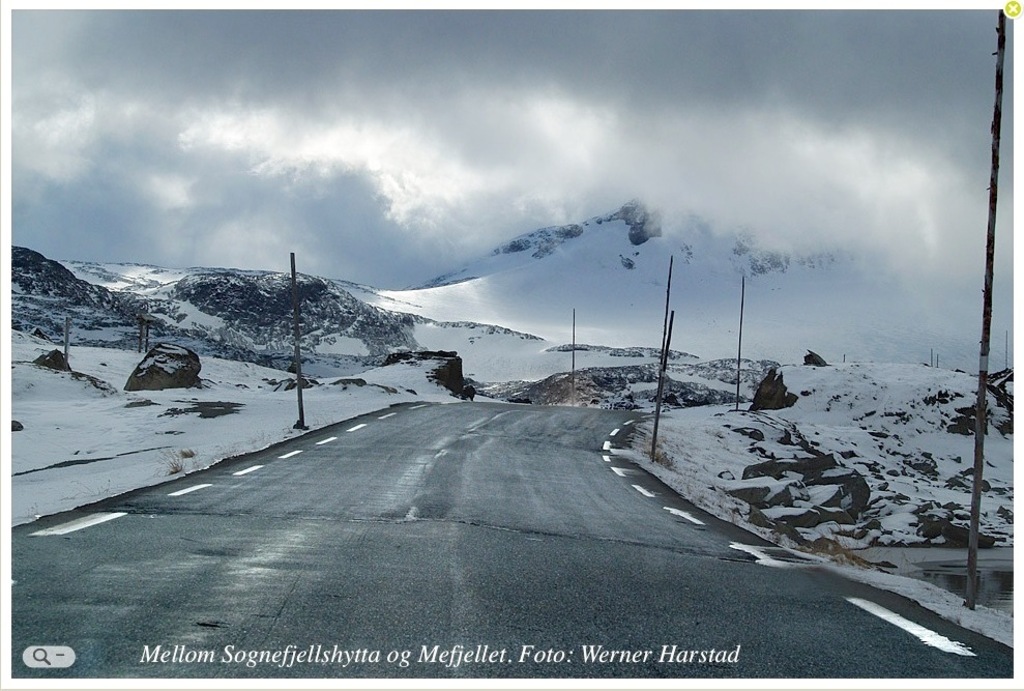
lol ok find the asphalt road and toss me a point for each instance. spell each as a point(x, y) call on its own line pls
point(472, 540)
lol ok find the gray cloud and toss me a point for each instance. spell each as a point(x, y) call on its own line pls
point(230, 137)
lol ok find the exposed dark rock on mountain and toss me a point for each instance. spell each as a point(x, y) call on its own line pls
point(643, 224)
point(166, 366)
point(257, 309)
point(44, 292)
point(238, 315)
point(633, 352)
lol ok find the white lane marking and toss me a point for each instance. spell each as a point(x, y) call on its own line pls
point(421, 405)
point(473, 427)
point(628, 422)
point(80, 523)
point(442, 452)
point(291, 453)
point(762, 558)
point(926, 636)
point(684, 514)
point(643, 491)
point(607, 459)
point(193, 488)
point(621, 472)
point(353, 429)
point(328, 440)
point(614, 432)
point(385, 417)
point(248, 470)
point(607, 446)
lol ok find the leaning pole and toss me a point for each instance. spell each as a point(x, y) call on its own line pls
point(980, 409)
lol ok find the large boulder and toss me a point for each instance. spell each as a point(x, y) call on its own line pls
point(772, 393)
point(814, 360)
point(166, 366)
point(447, 373)
point(53, 360)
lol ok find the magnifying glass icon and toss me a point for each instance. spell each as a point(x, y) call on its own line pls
point(48, 656)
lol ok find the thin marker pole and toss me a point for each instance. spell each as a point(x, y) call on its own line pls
point(663, 359)
point(573, 356)
point(739, 347)
point(301, 424)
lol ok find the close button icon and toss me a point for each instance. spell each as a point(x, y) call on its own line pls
point(48, 656)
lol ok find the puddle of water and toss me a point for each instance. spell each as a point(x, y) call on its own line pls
point(947, 568)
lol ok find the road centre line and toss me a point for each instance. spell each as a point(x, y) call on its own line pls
point(926, 636)
point(248, 470)
point(193, 488)
point(621, 472)
point(684, 514)
point(79, 523)
point(328, 440)
point(357, 427)
point(421, 405)
point(290, 454)
point(628, 422)
point(614, 432)
point(645, 492)
point(607, 446)
point(385, 417)
point(607, 459)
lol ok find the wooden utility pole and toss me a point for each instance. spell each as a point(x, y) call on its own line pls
point(739, 346)
point(573, 356)
point(662, 362)
point(67, 341)
point(661, 387)
point(301, 424)
point(981, 417)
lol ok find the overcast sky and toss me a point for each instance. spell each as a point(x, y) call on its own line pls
point(387, 147)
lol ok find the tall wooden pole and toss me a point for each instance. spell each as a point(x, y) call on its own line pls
point(301, 424)
point(661, 387)
point(67, 341)
point(739, 345)
point(981, 417)
point(662, 362)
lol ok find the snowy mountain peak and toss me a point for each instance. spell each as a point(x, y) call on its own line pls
point(634, 221)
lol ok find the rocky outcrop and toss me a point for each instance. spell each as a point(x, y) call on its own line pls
point(53, 360)
point(166, 366)
point(772, 394)
point(643, 223)
point(447, 373)
point(814, 360)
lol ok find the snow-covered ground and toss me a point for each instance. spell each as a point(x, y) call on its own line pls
point(900, 427)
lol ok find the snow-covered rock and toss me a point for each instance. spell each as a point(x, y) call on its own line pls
point(882, 443)
point(166, 366)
